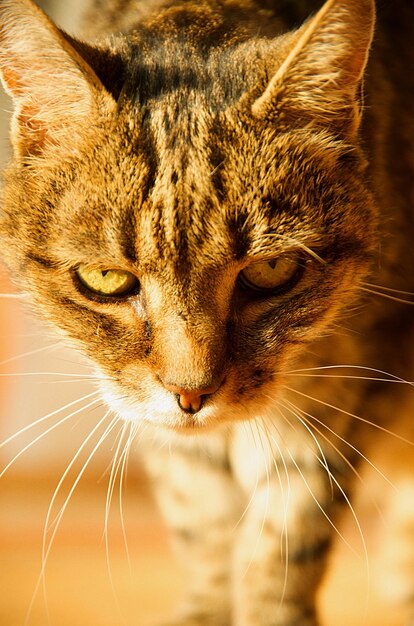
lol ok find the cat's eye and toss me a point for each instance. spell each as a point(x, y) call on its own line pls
point(272, 276)
point(107, 282)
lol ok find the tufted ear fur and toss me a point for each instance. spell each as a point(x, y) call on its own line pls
point(54, 90)
point(320, 77)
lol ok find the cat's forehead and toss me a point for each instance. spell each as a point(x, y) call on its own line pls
point(185, 216)
point(194, 195)
point(177, 184)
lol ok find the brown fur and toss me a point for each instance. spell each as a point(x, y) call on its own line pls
point(205, 138)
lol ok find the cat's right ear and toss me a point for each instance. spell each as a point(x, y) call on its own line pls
point(54, 90)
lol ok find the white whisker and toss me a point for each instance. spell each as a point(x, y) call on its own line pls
point(318, 504)
point(49, 525)
point(391, 377)
point(253, 494)
point(357, 417)
point(72, 381)
point(359, 528)
point(284, 536)
point(116, 462)
point(311, 253)
point(30, 353)
point(46, 417)
point(349, 377)
point(13, 296)
point(386, 295)
point(266, 510)
point(342, 455)
point(381, 287)
point(46, 432)
point(345, 441)
point(322, 458)
point(122, 483)
point(48, 546)
point(319, 460)
point(63, 374)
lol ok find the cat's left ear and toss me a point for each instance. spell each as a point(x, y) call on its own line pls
point(55, 92)
point(319, 79)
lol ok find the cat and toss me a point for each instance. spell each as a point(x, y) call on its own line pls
point(198, 202)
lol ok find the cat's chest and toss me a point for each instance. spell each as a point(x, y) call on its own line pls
point(264, 450)
point(247, 452)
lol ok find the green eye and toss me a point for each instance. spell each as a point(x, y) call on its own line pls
point(273, 275)
point(107, 282)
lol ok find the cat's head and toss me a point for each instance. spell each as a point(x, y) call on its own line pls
point(189, 207)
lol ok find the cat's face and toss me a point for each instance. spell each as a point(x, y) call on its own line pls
point(191, 251)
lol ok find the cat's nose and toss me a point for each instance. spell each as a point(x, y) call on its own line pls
point(191, 400)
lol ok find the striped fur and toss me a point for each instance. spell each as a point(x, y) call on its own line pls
point(199, 139)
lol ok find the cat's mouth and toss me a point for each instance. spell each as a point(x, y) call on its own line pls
point(191, 423)
point(161, 408)
point(153, 404)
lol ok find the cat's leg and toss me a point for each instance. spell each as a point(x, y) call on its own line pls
point(283, 541)
point(200, 503)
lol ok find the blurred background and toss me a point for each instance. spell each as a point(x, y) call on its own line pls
point(130, 577)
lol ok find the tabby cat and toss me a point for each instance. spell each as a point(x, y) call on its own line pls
point(198, 201)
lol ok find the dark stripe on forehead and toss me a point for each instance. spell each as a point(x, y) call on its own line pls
point(127, 234)
point(241, 239)
point(147, 147)
point(217, 159)
point(128, 219)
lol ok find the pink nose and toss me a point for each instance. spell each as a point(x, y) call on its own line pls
point(191, 400)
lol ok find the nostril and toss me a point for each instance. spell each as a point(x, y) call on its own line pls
point(191, 400)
